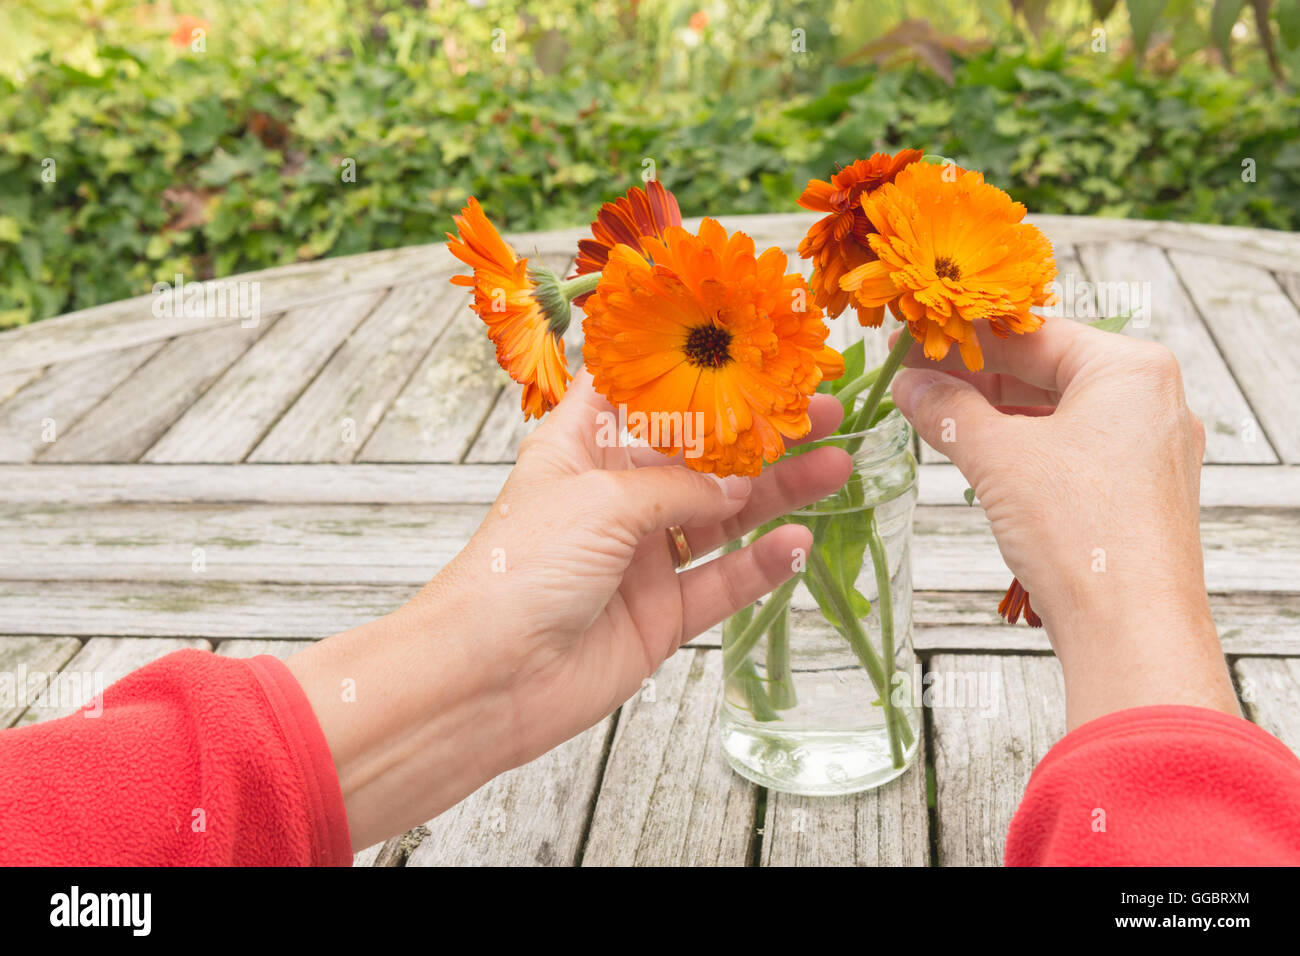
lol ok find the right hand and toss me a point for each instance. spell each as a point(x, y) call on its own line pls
point(1093, 495)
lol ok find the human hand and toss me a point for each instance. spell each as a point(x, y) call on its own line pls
point(1089, 471)
point(566, 598)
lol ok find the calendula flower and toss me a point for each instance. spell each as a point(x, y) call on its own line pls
point(952, 249)
point(642, 213)
point(524, 309)
point(698, 327)
point(1016, 601)
point(837, 244)
point(187, 26)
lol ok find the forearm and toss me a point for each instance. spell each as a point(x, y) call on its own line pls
point(412, 713)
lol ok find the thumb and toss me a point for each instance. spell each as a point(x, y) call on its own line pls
point(950, 414)
point(652, 498)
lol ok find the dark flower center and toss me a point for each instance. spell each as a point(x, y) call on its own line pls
point(708, 346)
point(945, 268)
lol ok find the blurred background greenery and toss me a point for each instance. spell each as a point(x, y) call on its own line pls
point(141, 141)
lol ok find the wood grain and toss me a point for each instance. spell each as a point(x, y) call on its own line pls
point(1212, 393)
point(534, 815)
point(233, 415)
point(337, 413)
point(983, 755)
point(27, 666)
point(59, 399)
point(137, 413)
point(1269, 689)
point(667, 797)
point(1257, 328)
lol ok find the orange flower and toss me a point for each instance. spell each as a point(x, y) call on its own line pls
point(183, 35)
point(1015, 601)
point(704, 335)
point(837, 244)
point(524, 310)
point(627, 220)
point(952, 249)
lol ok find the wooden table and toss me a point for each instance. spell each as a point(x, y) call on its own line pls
point(190, 482)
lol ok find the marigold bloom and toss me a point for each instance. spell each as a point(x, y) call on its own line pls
point(186, 25)
point(837, 244)
point(627, 220)
point(704, 330)
point(507, 297)
point(952, 249)
point(1014, 602)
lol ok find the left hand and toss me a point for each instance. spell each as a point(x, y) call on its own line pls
point(566, 598)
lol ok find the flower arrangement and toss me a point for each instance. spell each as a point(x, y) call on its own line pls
point(701, 324)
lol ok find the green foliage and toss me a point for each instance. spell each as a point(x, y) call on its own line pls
point(168, 161)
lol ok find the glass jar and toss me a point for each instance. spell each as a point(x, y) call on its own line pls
point(818, 675)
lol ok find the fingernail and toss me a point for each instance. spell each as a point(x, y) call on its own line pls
point(733, 486)
point(910, 384)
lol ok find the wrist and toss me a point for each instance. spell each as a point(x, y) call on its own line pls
point(413, 717)
point(1158, 648)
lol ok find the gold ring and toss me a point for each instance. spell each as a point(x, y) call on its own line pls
point(679, 547)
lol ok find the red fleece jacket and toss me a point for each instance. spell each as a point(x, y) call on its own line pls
point(199, 759)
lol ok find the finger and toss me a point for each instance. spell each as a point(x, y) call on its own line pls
point(643, 500)
point(952, 416)
point(1004, 389)
point(716, 590)
point(782, 488)
point(1048, 358)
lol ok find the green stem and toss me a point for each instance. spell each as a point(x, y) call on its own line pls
point(861, 645)
point(780, 681)
point(850, 392)
point(579, 284)
point(885, 601)
point(736, 652)
point(750, 685)
point(862, 421)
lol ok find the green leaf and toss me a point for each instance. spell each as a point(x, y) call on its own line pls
point(969, 495)
point(1142, 15)
point(1288, 22)
point(1223, 17)
point(1114, 323)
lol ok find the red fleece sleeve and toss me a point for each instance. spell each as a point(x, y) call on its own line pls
point(1173, 786)
point(195, 759)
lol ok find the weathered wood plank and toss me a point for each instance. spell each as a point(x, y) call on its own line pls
point(27, 666)
point(1231, 433)
point(667, 797)
point(325, 484)
point(98, 664)
point(339, 544)
point(953, 548)
point(337, 413)
point(889, 826)
point(1257, 624)
point(129, 322)
point(1247, 486)
point(534, 815)
point(216, 609)
point(123, 426)
point(42, 412)
point(1269, 688)
point(228, 421)
point(1242, 486)
point(438, 414)
point(994, 719)
point(1257, 328)
point(11, 382)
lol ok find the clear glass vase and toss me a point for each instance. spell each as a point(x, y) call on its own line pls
point(818, 675)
